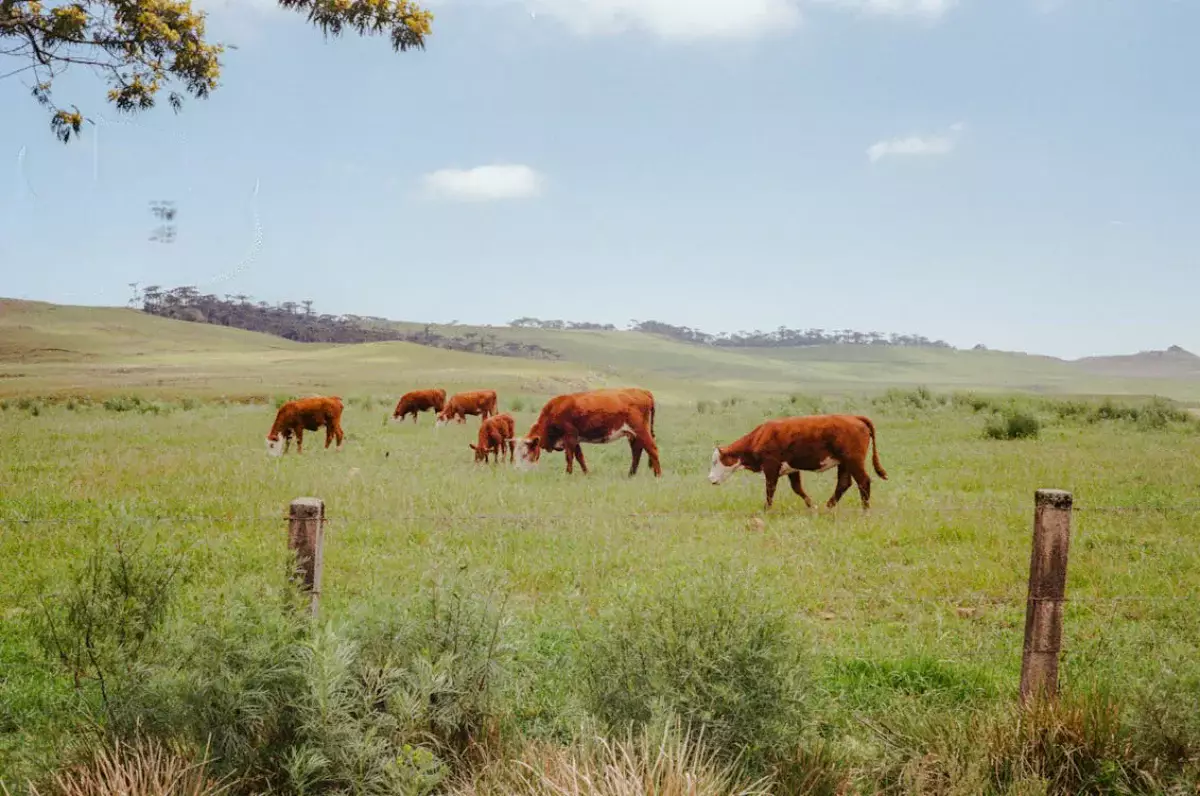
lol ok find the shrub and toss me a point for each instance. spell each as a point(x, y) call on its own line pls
point(920, 399)
point(189, 404)
point(704, 406)
point(672, 762)
point(517, 404)
point(280, 400)
point(706, 651)
point(1013, 424)
point(731, 401)
point(976, 403)
point(807, 404)
point(122, 403)
point(1079, 745)
point(143, 768)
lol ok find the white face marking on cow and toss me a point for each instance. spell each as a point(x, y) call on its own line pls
point(828, 464)
point(275, 447)
point(719, 472)
point(523, 461)
point(623, 432)
point(441, 421)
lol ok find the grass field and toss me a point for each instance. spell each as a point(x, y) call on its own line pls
point(901, 630)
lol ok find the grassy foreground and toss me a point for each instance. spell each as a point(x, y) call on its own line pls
point(473, 617)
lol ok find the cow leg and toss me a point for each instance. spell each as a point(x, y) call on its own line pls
point(859, 473)
point(635, 449)
point(569, 452)
point(512, 451)
point(579, 456)
point(770, 473)
point(843, 483)
point(329, 434)
point(798, 488)
point(646, 440)
point(299, 441)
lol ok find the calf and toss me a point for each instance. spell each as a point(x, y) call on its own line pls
point(419, 401)
point(494, 434)
point(597, 417)
point(305, 414)
point(792, 444)
point(479, 402)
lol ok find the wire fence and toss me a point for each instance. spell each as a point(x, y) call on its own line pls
point(1182, 508)
point(306, 521)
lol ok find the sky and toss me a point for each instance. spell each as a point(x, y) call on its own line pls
point(1019, 173)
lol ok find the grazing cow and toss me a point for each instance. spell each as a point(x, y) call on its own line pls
point(305, 414)
point(419, 401)
point(495, 434)
point(479, 402)
point(597, 417)
point(792, 444)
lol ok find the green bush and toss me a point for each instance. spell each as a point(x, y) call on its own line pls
point(708, 651)
point(123, 403)
point(279, 706)
point(976, 403)
point(1012, 424)
point(920, 399)
point(517, 404)
point(704, 406)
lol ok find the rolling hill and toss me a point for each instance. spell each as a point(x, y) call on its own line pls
point(48, 348)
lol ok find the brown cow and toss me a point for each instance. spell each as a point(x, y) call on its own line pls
point(597, 417)
point(495, 434)
point(419, 401)
point(305, 414)
point(815, 443)
point(479, 402)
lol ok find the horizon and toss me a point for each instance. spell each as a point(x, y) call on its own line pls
point(836, 164)
point(626, 328)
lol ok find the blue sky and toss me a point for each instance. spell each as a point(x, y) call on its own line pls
point(1022, 173)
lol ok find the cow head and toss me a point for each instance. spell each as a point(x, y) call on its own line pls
point(442, 419)
point(481, 453)
point(275, 445)
point(723, 466)
point(529, 450)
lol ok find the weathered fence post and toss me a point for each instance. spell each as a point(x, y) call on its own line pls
point(306, 538)
point(1047, 592)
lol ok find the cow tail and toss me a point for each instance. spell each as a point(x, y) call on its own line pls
point(874, 448)
point(652, 417)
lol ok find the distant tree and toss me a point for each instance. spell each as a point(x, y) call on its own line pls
point(142, 46)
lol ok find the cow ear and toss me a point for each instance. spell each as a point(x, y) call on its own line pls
point(472, 447)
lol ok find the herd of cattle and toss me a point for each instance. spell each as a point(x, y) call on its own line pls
point(783, 447)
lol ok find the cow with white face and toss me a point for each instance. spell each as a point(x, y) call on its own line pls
point(596, 417)
point(792, 445)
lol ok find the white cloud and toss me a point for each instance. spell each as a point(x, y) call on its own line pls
point(672, 19)
point(928, 9)
point(916, 144)
point(485, 183)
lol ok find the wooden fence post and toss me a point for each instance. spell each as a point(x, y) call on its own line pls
point(1047, 592)
point(306, 538)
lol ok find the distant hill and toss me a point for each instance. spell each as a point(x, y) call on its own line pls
point(1173, 363)
point(54, 348)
